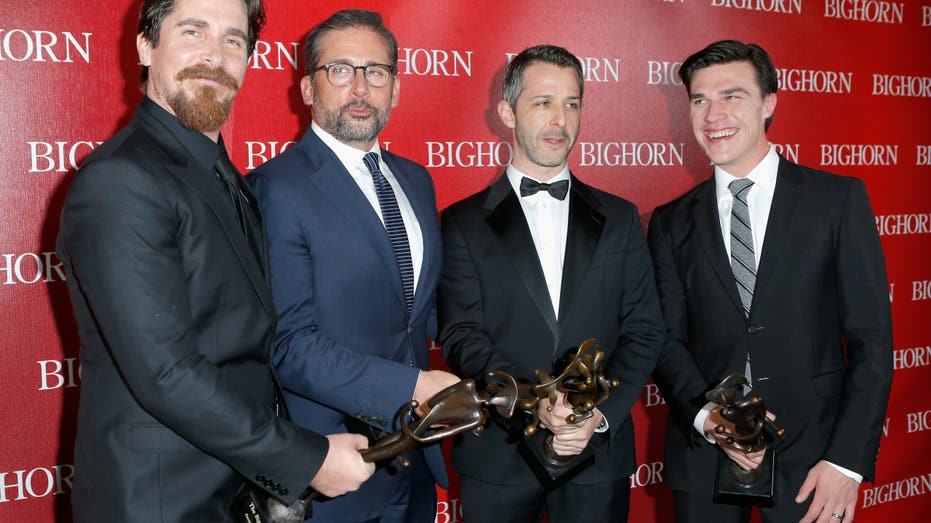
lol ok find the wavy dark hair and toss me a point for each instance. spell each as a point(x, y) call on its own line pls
point(728, 51)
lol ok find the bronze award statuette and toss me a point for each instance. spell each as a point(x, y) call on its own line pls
point(732, 484)
point(453, 410)
point(580, 376)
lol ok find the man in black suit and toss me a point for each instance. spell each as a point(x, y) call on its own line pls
point(780, 310)
point(534, 265)
point(164, 250)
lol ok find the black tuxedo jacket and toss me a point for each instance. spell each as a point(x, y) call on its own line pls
point(176, 324)
point(821, 285)
point(496, 314)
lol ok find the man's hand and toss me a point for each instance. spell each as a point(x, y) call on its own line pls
point(835, 493)
point(429, 382)
point(568, 439)
point(343, 469)
point(746, 460)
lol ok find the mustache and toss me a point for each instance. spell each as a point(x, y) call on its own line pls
point(359, 104)
point(200, 71)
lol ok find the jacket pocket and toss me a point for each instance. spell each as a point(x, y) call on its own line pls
point(829, 384)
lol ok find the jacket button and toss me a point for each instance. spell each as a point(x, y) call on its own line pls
point(284, 491)
point(753, 329)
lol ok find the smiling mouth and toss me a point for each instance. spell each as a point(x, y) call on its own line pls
point(721, 134)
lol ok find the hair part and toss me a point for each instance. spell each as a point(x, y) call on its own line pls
point(347, 19)
point(153, 12)
point(729, 51)
point(546, 54)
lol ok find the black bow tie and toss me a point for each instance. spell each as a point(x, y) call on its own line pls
point(557, 190)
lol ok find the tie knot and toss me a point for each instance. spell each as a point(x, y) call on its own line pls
point(740, 185)
point(371, 162)
point(557, 190)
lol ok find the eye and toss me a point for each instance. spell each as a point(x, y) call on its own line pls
point(234, 42)
point(375, 72)
point(339, 68)
point(573, 105)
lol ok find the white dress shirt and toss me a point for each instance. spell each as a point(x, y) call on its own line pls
point(548, 219)
point(351, 158)
point(759, 202)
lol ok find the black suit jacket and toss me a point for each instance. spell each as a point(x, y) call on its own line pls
point(176, 324)
point(821, 284)
point(495, 313)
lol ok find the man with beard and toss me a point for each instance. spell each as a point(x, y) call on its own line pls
point(164, 252)
point(355, 258)
point(533, 266)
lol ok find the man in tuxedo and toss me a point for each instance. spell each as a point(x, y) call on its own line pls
point(355, 257)
point(167, 274)
point(534, 265)
point(770, 270)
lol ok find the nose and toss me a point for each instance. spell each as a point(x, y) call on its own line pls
point(212, 52)
point(360, 87)
point(558, 116)
point(713, 111)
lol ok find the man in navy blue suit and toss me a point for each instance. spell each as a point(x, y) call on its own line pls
point(355, 257)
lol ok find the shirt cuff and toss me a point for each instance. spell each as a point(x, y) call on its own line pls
point(699, 423)
point(849, 473)
point(603, 426)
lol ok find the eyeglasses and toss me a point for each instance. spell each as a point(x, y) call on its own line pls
point(342, 74)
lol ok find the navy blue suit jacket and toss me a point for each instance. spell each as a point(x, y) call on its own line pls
point(347, 352)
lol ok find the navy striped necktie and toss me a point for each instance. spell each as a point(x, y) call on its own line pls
point(394, 225)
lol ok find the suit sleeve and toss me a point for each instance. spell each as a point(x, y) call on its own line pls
point(676, 374)
point(866, 326)
point(640, 337)
point(467, 346)
point(309, 362)
point(120, 232)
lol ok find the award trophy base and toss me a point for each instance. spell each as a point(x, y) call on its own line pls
point(735, 486)
point(552, 472)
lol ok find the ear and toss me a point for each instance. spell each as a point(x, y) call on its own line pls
point(506, 113)
point(307, 90)
point(144, 48)
point(769, 105)
point(395, 91)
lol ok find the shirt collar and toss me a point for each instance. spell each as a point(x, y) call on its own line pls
point(514, 176)
point(762, 175)
point(203, 150)
point(349, 156)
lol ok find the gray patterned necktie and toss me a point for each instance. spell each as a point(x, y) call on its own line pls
point(743, 262)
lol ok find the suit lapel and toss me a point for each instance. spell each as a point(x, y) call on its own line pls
point(782, 217)
point(708, 227)
point(332, 180)
point(205, 187)
point(506, 220)
point(586, 224)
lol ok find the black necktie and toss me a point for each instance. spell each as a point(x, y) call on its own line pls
point(557, 190)
point(232, 180)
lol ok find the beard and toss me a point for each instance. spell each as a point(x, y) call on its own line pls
point(345, 127)
point(537, 155)
point(207, 107)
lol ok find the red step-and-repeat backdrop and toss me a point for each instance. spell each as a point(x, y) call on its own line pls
point(855, 98)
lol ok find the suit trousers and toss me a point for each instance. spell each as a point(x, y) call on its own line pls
point(698, 507)
point(525, 503)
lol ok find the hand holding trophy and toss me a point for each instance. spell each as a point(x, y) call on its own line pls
point(747, 418)
point(580, 382)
